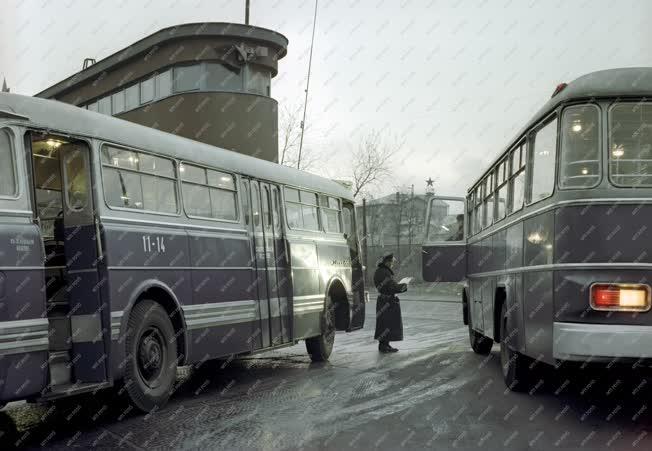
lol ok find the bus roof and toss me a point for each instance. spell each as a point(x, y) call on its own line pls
point(634, 82)
point(62, 117)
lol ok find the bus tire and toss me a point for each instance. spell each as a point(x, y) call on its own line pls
point(515, 366)
point(479, 343)
point(151, 347)
point(320, 347)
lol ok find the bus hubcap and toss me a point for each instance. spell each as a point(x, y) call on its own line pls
point(151, 349)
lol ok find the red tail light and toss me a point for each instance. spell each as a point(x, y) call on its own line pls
point(620, 297)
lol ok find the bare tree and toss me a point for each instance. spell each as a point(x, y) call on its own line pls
point(372, 161)
point(289, 136)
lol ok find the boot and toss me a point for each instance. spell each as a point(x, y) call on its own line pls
point(391, 348)
point(384, 347)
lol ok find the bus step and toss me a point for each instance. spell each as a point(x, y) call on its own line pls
point(60, 368)
point(62, 391)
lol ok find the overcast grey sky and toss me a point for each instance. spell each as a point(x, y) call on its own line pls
point(456, 79)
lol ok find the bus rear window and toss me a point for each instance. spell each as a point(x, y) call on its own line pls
point(7, 174)
point(630, 144)
point(580, 147)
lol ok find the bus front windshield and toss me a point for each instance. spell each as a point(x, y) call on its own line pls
point(446, 222)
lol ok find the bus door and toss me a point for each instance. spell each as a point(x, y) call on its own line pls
point(277, 266)
point(444, 252)
point(283, 270)
point(357, 277)
point(89, 317)
point(260, 264)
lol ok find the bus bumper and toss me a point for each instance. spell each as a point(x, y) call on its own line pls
point(582, 341)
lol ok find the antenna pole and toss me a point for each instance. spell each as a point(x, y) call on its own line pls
point(305, 103)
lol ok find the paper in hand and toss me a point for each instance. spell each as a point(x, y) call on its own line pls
point(406, 280)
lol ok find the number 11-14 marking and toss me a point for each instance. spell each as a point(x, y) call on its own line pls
point(156, 244)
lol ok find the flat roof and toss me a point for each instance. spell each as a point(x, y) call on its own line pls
point(68, 119)
point(634, 82)
point(189, 30)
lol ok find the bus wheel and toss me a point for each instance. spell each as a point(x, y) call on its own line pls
point(320, 347)
point(479, 343)
point(515, 366)
point(151, 356)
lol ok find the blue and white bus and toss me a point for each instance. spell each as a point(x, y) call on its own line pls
point(556, 258)
point(126, 251)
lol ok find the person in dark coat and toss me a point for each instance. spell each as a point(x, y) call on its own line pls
point(389, 324)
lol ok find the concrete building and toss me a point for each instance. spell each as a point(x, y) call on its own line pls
point(210, 82)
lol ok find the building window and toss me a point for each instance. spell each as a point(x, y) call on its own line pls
point(118, 102)
point(220, 78)
point(138, 181)
point(164, 84)
point(132, 97)
point(8, 186)
point(187, 78)
point(580, 147)
point(543, 162)
point(208, 193)
point(301, 208)
point(104, 105)
point(257, 81)
point(147, 90)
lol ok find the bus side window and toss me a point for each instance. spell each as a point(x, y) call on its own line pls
point(276, 205)
point(542, 180)
point(76, 177)
point(267, 214)
point(7, 167)
point(245, 201)
point(349, 227)
point(255, 202)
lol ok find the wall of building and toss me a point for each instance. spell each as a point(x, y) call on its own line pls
point(246, 123)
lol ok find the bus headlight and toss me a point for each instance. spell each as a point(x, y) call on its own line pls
point(620, 297)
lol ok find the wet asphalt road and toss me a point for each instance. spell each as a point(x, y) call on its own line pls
point(435, 394)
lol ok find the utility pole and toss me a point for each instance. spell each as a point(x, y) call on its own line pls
point(398, 227)
point(305, 103)
point(246, 12)
point(411, 220)
point(364, 232)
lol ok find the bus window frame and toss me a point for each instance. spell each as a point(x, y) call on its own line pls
point(504, 163)
point(608, 127)
point(487, 193)
point(175, 162)
point(13, 149)
point(87, 155)
point(520, 147)
point(601, 163)
point(236, 182)
point(319, 229)
point(465, 231)
point(531, 142)
point(339, 214)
